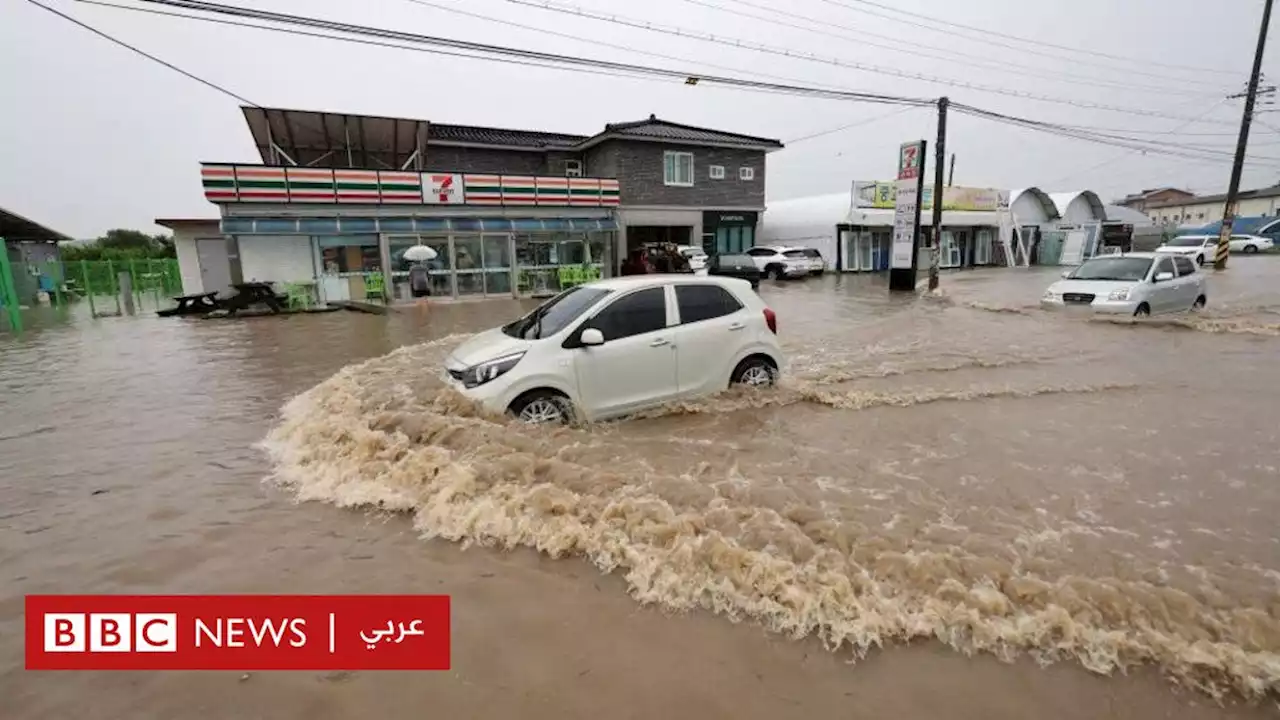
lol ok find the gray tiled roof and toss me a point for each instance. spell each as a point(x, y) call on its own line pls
point(656, 129)
point(499, 136)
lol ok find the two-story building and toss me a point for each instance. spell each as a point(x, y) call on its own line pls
point(338, 199)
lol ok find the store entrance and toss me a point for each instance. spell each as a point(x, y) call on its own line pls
point(639, 236)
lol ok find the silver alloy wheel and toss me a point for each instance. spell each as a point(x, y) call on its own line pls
point(542, 410)
point(756, 376)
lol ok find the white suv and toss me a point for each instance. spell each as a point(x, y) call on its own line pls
point(779, 261)
point(614, 347)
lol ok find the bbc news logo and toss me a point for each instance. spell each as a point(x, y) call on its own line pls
point(237, 632)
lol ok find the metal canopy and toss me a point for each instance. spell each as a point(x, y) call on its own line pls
point(335, 140)
point(342, 225)
point(15, 228)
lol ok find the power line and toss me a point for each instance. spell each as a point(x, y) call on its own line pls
point(914, 49)
point(145, 54)
point(859, 123)
point(1039, 44)
point(592, 41)
point(687, 76)
point(567, 62)
point(783, 52)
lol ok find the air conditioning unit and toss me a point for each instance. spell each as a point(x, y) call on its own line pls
point(573, 168)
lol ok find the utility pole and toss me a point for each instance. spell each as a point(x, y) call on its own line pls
point(939, 165)
point(1233, 189)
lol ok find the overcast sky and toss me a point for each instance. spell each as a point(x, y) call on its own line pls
point(96, 137)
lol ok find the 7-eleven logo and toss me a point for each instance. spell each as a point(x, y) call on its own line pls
point(446, 188)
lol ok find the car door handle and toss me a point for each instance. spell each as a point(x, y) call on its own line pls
point(659, 342)
point(736, 326)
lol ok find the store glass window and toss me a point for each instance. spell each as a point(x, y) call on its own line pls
point(437, 269)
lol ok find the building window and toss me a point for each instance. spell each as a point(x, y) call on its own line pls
point(573, 168)
point(1200, 216)
point(746, 173)
point(677, 169)
point(717, 172)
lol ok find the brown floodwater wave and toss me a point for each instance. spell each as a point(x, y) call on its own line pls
point(858, 553)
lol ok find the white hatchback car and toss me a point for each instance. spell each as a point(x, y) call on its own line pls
point(1132, 284)
point(614, 347)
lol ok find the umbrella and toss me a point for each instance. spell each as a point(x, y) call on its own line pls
point(420, 253)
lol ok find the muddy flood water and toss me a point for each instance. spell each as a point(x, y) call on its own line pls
point(954, 506)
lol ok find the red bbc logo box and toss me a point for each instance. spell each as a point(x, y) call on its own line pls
point(237, 632)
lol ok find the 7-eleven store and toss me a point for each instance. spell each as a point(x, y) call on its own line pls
point(342, 229)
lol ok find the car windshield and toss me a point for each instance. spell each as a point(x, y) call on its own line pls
point(555, 314)
point(793, 254)
point(1185, 242)
point(811, 253)
point(693, 252)
point(1113, 268)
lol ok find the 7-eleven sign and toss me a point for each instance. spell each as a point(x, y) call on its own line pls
point(442, 189)
point(910, 157)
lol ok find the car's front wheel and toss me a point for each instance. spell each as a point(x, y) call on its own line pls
point(1250, 249)
point(755, 372)
point(542, 407)
point(1144, 310)
point(1199, 304)
point(1200, 260)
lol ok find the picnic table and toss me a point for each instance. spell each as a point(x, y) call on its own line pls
point(249, 294)
point(199, 304)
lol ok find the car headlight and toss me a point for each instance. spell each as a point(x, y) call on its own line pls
point(1051, 295)
point(1122, 294)
point(482, 373)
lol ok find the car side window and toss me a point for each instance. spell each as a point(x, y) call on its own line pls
point(704, 302)
point(643, 311)
point(1185, 266)
point(759, 252)
point(1165, 265)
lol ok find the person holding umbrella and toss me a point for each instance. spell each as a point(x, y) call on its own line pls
point(419, 274)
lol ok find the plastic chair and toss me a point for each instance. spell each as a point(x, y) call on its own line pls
point(567, 279)
point(375, 287)
point(591, 273)
point(297, 296)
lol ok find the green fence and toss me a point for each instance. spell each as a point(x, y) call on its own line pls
point(98, 282)
point(9, 306)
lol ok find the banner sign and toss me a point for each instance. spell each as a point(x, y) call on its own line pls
point(906, 215)
point(443, 189)
point(880, 194)
point(237, 632)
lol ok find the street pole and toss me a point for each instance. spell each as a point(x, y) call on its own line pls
point(939, 168)
point(1233, 189)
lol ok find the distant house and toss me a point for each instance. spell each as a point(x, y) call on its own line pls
point(1154, 196)
point(30, 246)
point(338, 199)
point(1199, 210)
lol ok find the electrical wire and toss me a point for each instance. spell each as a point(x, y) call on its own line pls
point(592, 41)
point(565, 62)
point(145, 54)
point(784, 52)
point(915, 49)
point(686, 76)
point(1039, 44)
point(851, 125)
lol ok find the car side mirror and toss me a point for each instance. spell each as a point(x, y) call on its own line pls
point(1066, 274)
point(1163, 277)
point(592, 336)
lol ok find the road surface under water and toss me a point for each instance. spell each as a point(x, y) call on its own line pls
point(994, 511)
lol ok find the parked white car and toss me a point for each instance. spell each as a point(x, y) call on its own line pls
point(1131, 284)
point(779, 261)
point(1203, 248)
point(696, 256)
point(614, 347)
point(817, 263)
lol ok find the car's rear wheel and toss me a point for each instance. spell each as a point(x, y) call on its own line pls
point(542, 407)
point(1199, 304)
point(773, 271)
point(754, 371)
point(1250, 249)
point(1144, 310)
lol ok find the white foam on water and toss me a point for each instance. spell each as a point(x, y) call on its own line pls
point(381, 435)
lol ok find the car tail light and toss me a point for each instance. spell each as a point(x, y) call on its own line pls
point(771, 319)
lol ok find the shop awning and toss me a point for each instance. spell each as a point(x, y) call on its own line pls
point(394, 225)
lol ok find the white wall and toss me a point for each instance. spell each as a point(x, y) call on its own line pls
point(1205, 213)
point(276, 258)
point(184, 244)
